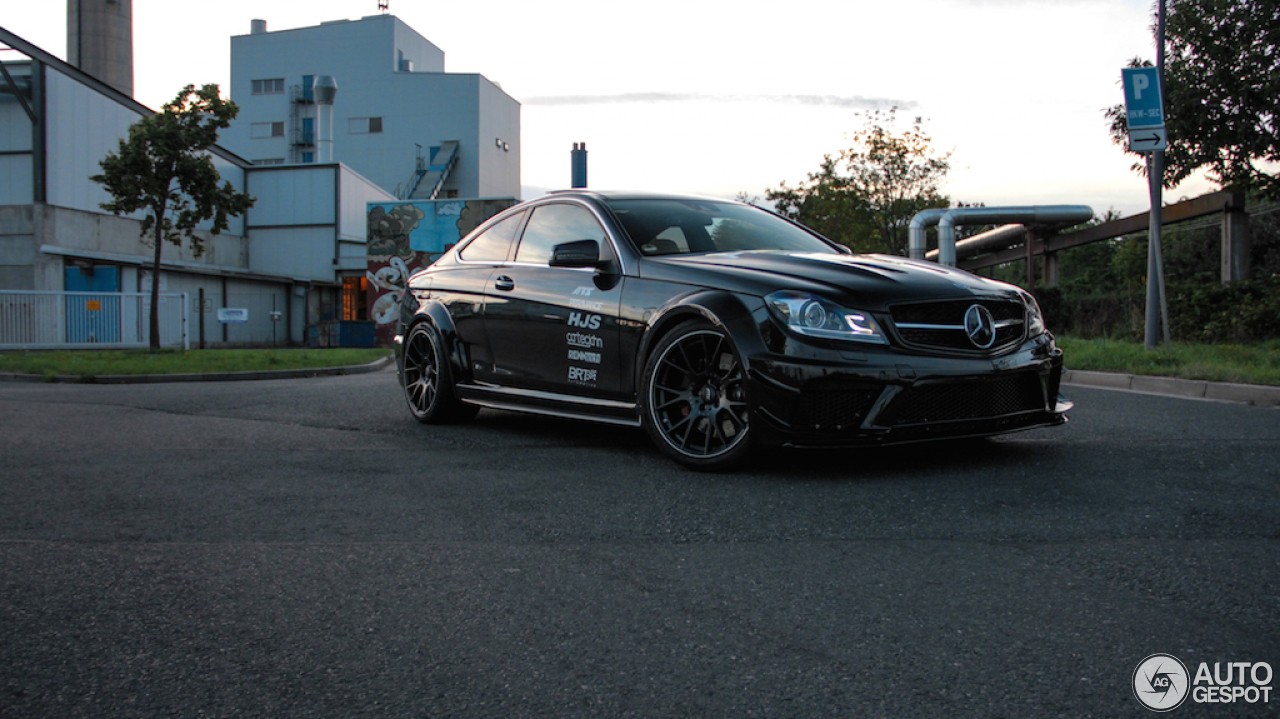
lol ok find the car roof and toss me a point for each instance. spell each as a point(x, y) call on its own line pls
point(607, 195)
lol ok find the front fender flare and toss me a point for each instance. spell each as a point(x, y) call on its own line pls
point(739, 316)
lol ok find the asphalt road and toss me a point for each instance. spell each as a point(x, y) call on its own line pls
point(302, 548)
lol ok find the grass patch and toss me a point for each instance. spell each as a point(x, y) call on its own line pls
point(89, 364)
point(1249, 364)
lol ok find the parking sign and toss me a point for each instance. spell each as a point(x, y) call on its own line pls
point(1143, 101)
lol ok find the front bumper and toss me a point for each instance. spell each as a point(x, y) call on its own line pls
point(831, 398)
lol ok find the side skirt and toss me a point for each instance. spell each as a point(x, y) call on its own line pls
point(550, 403)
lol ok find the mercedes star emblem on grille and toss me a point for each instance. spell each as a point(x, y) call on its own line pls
point(980, 326)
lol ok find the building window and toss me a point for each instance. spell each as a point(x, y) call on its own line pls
point(355, 301)
point(269, 161)
point(261, 130)
point(364, 125)
point(274, 86)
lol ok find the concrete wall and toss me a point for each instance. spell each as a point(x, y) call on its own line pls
point(94, 232)
point(17, 247)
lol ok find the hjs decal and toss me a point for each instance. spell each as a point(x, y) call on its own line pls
point(587, 322)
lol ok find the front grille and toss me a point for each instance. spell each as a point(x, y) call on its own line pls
point(940, 325)
point(835, 407)
point(970, 399)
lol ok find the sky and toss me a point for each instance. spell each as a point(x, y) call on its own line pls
point(720, 98)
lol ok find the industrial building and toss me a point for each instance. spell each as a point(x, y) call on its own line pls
point(297, 261)
point(399, 119)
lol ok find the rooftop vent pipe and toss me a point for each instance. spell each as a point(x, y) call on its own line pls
point(257, 27)
point(324, 88)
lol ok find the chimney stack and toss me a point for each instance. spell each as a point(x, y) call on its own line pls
point(100, 40)
point(579, 160)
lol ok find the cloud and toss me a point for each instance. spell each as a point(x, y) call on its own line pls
point(856, 102)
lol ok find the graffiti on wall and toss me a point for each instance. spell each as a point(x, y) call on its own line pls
point(403, 237)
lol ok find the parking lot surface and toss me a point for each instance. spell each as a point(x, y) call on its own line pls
point(304, 548)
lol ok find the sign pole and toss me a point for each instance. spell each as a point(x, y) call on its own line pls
point(1157, 302)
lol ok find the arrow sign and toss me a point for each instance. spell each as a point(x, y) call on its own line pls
point(1148, 139)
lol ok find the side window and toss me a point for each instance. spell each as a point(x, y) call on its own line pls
point(493, 244)
point(552, 225)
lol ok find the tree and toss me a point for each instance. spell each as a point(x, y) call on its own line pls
point(163, 169)
point(865, 196)
point(1221, 81)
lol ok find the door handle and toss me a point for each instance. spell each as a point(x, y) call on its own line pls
point(504, 283)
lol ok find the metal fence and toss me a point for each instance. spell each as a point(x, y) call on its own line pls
point(84, 320)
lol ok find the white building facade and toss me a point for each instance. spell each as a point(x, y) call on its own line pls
point(399, 119)
point(299, 251)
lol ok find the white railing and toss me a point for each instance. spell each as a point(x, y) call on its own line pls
point(83, 320)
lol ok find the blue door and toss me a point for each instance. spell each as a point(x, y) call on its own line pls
point(93, 318)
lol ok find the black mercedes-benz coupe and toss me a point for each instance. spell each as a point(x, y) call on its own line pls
point(717, 326)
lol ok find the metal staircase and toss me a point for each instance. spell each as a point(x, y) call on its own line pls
point(428, 178)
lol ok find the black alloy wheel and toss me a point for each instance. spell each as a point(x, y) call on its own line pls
point(425, 375)
point(695, 398)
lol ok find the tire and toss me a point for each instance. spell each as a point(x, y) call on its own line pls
point(427, 380)
point(695, 398)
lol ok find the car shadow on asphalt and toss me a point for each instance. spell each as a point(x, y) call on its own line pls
point(978, 454)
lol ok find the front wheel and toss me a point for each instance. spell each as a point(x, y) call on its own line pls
point(425, 376)
point(695, 398)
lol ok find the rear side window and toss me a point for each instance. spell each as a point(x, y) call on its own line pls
point(552, 225)
point(494, 244)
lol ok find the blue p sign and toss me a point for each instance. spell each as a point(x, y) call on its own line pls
point(1144, 105)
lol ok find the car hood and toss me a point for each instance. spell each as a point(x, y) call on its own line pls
point(867, 281)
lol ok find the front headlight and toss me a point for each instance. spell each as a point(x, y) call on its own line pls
point(1035, 318)
point(815, 317)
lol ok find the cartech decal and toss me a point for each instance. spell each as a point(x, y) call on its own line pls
point(581, 339)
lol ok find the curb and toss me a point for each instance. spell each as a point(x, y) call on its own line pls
point(201, 377)
point(1255, 394)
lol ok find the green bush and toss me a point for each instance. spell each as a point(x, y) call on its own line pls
point(1238, 312)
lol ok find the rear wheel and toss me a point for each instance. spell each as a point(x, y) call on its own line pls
point(427, 381)
point(695, 398)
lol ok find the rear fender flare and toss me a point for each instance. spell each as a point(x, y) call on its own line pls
point(455, 350)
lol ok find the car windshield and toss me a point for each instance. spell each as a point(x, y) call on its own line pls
point(678, 227)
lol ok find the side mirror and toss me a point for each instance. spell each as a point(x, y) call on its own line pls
point(583, 253)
